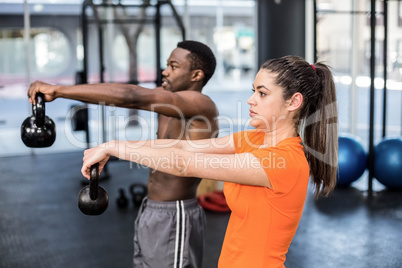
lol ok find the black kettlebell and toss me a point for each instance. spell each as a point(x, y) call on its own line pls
point(38, 130)
point(122, 201)
point(138, 192)
point(93, 199)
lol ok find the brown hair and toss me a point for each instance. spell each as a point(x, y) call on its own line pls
point(317, 118)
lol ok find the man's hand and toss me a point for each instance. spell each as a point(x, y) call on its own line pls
point(49, 91)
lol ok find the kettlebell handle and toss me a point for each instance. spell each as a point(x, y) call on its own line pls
point(94, 181)
point(93, 199)
point(38, 110)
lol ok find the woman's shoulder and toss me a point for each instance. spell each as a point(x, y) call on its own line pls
point(289, 149)
point(249, 138)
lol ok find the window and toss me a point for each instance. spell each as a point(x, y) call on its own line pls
point(49, 49)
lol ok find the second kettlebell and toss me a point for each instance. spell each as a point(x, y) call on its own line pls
point(38, 130)
point(93, 199)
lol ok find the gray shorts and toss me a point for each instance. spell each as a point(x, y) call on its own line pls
point(169, 234)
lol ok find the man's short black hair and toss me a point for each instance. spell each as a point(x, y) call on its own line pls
point(201, 57)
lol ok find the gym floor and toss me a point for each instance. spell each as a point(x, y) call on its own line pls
point(41, 225)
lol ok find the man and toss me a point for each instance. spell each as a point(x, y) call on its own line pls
point(169, 229)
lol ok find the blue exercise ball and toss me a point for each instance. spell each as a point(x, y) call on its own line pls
point(352, 160)
point(388, 162)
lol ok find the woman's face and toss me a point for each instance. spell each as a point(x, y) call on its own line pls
point(268, 110)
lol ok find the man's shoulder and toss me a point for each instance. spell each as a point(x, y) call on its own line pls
point(194, 94)
point(199, 99)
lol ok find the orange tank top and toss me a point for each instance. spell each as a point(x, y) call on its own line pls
point(263, 221)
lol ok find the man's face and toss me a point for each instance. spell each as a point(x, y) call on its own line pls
point(177, 76)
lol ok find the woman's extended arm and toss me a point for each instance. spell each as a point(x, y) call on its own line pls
point(220, 164)
point(221, 145)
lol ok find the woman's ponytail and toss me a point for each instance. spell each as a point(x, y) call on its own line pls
point(317, 118)
point(319, 132)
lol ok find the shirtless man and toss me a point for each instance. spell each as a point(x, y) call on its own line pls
point(169, 229)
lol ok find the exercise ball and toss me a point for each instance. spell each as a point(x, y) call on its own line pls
point(388, 162)
point(352, 160)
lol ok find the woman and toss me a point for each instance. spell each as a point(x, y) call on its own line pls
point(265, 170)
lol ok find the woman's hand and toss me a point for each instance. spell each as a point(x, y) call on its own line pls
point(99, 154)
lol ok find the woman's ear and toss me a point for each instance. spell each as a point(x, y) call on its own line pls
point(197, 76)
point(296, 101)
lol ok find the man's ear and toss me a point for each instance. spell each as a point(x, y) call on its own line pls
point(295, 101)
point(197, 76)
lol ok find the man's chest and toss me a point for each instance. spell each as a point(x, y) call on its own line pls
point(171, 128)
